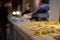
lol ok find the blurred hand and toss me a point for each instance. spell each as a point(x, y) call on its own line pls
point(26, 16)
point(30, 14)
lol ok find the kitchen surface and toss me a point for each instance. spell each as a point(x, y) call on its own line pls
point(32, 30)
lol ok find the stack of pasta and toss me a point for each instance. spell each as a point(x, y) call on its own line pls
point(44, 27)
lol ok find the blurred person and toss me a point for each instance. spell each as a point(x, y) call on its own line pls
point(43, 8)
point(3, 20)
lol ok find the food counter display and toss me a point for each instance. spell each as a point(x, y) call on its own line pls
point(43, 30)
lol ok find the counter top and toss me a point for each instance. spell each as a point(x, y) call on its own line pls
point(27, 33)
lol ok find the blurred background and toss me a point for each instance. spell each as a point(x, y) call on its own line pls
point(21, 5)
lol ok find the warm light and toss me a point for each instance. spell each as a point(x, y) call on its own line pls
point(14, 13)
point(18, 12)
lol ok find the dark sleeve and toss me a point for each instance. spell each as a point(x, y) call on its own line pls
point(39, 10)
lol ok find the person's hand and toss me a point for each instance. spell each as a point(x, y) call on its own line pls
point(30, 14)
point(26, 16)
